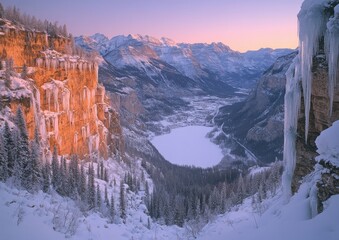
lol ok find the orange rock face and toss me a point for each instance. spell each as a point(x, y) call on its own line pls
point(67, 103)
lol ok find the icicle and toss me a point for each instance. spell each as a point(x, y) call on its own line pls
point(88, 130)
point(39, 121)
point(39, 62)
point(48, 97)
point(109, 118)
point(54, 63)
point(75, 141)
point(46, 39)
point(95, 111)
point(97, 141)
point(71, 118)
point(292, 105)
point(66, 99)
point(83, 132)
point(56, 97)
point(86, 96)
point(332, 53)
point(35, 109)
point(80, 66)
point(56, 126)
point(312, 25)
point(48, 63)
point(96, 69)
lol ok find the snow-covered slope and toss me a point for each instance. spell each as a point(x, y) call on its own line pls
point(295, 219)
point(279, 221)
point(49, 216)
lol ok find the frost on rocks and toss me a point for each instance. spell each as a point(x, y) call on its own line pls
point(292, 105)
point(312, 26)
point(53, 59)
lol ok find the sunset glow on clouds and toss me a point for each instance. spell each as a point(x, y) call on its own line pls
point(243, 25)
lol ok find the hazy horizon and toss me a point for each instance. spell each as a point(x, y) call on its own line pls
point(243, 26)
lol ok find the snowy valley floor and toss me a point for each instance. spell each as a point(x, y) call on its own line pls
point(26, 216)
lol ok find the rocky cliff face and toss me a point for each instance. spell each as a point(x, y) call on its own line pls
point(318, 66)
point(257, 122)
point(320, 119)
point(64, 99)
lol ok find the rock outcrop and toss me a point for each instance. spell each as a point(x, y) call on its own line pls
point(64, 100)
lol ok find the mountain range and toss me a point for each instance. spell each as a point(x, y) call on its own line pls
point(200, 62)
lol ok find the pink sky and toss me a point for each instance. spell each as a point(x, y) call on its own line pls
point(243, 25)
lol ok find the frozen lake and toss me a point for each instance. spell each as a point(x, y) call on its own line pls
point(188, 146)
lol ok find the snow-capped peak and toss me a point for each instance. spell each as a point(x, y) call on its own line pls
point(99, 37)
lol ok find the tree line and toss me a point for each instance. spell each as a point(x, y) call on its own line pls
point(14, 14)
point(23, 165)
point(185, 194)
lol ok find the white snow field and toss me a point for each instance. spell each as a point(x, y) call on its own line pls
point(280, 221)
point(188, 146)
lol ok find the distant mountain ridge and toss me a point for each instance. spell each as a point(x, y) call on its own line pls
point(200, 62)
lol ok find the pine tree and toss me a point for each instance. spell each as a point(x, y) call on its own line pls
point(98, 171)
point(24, 72)
point(112, 209)
point(65, 188)
point(98, 200)
point(91, 188)
point(9, 148)
point(105, 175)
point(23, 170)
point(55, 169)
point(147, 196)
point(102, 170)
point(46, 177)
point(36, 177)
point(241, 189)
point(82, 183)
point(122, 201)
point(3, 160)
point(148, 223)
point(106, 201)
point(74, 176)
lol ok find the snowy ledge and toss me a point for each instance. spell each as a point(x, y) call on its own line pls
point(328, 145)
